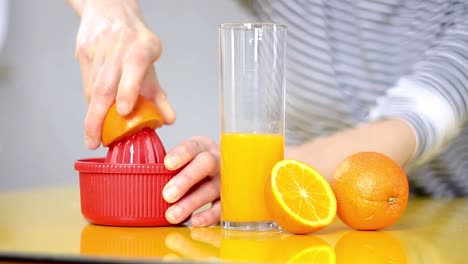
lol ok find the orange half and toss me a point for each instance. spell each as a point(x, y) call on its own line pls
point(117, 127)
point(300, 199)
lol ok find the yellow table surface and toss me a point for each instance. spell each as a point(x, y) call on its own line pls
point(46, 224)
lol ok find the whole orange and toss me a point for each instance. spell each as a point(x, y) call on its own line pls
point(371, 191)
point(115, 126)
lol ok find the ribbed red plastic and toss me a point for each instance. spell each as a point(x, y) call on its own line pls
point(143, 147)
point(123, 194)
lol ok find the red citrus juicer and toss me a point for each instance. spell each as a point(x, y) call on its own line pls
point(125, 187)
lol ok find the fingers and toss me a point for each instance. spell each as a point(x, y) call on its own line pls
point(103, 94)
point(85, 68)
point(150, 84)
point(208, 217)
point(187, 150)
point(85, 56)
point(206, 193)
point(205, 164)
point(152, 90)
point(202, 158)
point(135, 67)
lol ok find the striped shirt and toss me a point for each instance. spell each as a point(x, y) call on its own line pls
point(351, 62)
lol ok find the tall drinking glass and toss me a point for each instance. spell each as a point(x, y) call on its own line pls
point(252, 99)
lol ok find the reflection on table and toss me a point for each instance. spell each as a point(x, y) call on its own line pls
point(47, 223)
point(204, 244)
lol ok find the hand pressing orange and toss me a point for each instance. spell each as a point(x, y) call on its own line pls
point(117, 52)
point(116, 126)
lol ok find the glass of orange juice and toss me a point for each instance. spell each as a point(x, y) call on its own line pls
point(252, 100)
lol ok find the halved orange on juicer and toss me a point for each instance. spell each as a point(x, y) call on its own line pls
point(117, 127)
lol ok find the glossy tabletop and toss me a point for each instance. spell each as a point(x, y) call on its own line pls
point(46, 224)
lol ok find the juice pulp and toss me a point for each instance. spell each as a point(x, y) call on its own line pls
point(246, 163)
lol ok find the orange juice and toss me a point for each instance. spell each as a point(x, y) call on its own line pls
point(246, 163)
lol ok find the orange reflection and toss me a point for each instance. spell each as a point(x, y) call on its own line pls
point(369, 247)
point(307, 249)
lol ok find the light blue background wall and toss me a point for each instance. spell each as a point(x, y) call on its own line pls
point(42, 106)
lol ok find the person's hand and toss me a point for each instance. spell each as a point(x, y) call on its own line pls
point(116, 52)
point(200, 158)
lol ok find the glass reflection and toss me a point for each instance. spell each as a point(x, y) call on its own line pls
point(274, 247)
point(213, 243)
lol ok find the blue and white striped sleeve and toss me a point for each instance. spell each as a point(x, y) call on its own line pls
point(434, 97)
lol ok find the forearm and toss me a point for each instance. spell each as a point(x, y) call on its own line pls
point(433, 96)
point(394, 138)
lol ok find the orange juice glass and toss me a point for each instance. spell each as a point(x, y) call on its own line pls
point(252, 64)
